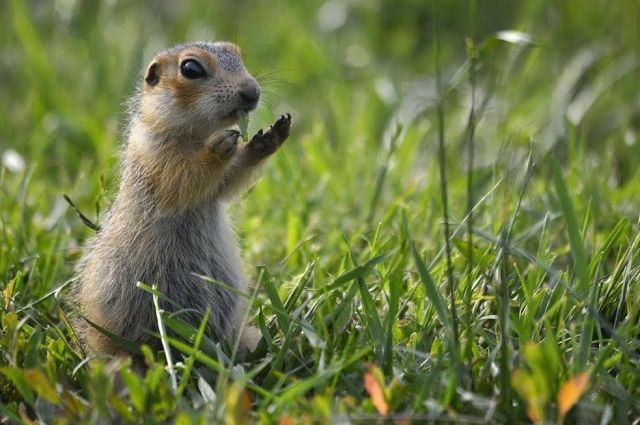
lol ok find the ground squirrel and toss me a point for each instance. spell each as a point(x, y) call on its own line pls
point(180, 164)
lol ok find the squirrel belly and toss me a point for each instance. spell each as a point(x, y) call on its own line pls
point(171, 252)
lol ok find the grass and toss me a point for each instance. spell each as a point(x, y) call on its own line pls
point(525, 147)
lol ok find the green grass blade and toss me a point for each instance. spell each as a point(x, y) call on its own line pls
point(276, 302)
point(358, 271)
point(442, 168)
point(125, 343)
point(192, 358)
point(372, 319)
point(433, 293)
point(575, 238)
point(304, 280)
point(583, 288)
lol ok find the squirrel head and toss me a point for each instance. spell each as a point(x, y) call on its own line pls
point(192, 90)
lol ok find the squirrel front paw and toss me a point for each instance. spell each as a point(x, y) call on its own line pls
point(223, 143)
point(265, 143)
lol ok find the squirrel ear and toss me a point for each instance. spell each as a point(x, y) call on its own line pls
point(153, 74)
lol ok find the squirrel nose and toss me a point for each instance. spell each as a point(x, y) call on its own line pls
point(250, 92)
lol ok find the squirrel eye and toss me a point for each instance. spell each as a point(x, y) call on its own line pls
point(191, 69)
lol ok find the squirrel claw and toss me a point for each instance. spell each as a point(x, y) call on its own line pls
point(265, 143)
point(223, 143)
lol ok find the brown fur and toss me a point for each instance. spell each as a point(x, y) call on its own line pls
point(168, 221)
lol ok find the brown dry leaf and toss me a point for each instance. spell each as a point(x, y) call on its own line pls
point(570, 392)
point(376, 393)
point(237, 405)
point(286, 420)
point(533, 412)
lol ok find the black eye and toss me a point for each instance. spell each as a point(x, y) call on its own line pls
point(191, 69)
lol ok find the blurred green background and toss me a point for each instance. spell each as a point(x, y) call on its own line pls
point(349, 71)
point(66, 66)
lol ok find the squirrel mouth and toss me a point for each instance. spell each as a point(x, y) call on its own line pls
point(235, 114)
point(239, 119)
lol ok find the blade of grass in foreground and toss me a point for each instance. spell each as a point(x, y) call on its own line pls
point(128, 345)
point(165, 344)
point(300, 387)
point(442, 158)
point(433, 293)
point(372, 317)
point(502, 273)
point(472, 53)
point(191, 359)
point(575, 238)
point(454, 378)
point(395, 291)
point(382, 173)
point(580, 263)
point(276, 302)
point(438, 301)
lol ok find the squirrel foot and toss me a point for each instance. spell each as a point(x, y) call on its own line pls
point(265, 143)
point(223, 143)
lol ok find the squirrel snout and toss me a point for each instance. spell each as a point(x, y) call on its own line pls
point(249, 93)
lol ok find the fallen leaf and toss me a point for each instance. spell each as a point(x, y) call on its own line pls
point(376, 393)
point(570, 392)
point(237, 405)
point(286, 420)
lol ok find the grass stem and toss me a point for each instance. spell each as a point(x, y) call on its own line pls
point(165, 343)
point(443, 187)
point(471, 128)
